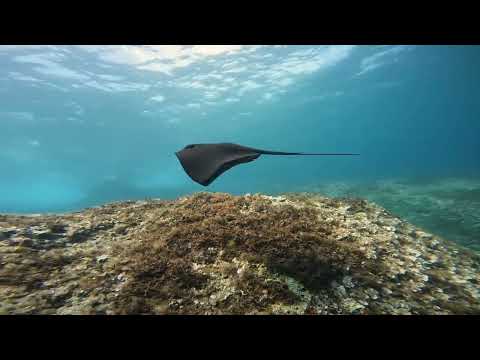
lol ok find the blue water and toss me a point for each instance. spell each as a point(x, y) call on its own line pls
point(85, 125)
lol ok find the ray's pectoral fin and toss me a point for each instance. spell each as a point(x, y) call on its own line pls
point(224, 166)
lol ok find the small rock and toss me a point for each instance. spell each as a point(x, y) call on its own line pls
point(386, 291)
point(61, 293)
point(42, 234)
point(347, 281)
point(28, 262)
point(372, 293)
point(341, 290)
point(102, 258)
point(7, 232)
point(21, 241)
point(120, 229)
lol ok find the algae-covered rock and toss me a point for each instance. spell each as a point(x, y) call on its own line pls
point(214, 253)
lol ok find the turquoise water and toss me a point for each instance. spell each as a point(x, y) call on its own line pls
point(85, 125)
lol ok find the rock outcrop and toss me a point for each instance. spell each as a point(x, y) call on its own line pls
point(214, 253)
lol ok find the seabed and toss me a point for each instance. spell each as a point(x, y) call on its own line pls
point(214, 253)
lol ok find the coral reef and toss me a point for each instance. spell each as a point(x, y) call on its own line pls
point(214, 253)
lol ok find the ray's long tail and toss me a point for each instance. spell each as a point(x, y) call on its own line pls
point(265, 152)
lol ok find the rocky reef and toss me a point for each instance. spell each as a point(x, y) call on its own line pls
point(213, 253)
point(448, 207)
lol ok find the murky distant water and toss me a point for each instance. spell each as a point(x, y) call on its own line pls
point(81, 126)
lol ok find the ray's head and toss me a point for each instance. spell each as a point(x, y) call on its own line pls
point(193, 147)
point(193, 151)
point(203, 148)
point(189, 149)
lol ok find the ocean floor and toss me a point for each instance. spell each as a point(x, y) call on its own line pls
point(449, 208)
point(214, 253)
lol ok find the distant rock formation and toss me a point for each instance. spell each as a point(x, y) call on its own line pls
point(213, 253)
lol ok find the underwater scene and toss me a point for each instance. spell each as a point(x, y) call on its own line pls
point(239, 179)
